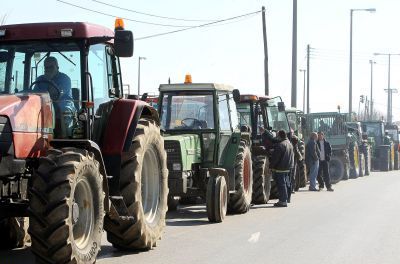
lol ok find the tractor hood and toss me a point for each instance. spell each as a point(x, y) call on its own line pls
point(28, 120)
point(184, 149)
point(27, 112)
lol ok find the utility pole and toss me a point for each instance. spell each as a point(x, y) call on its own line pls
point(308, 79)
point(372, 62)
point(294, 56)
point(138, 85)
point(304, 89)
point(266, 77)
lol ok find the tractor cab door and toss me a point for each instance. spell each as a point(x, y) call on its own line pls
point(105, 85)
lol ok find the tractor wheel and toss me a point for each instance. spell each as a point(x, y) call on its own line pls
point(240, 201)
point(262, 180)
point(367, 160)
point(391, 161)
point(384, 158)
point(216, 199)
point(396, 160)
point(302, 174)
point(336, 169)
point(361, 164)
point(13, 232)
point(172, 203)
point(66, 207)
point(354, 160)
point(144, 188)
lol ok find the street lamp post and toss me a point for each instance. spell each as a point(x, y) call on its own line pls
point(372, 62)
point(389, 89)
point(351, 55)
point(138, 85)
point(304, 89)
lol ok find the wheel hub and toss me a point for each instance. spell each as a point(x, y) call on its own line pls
point(75, 213)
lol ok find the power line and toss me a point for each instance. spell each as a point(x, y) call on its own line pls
point(153, 15)
point(198, 26)
point(129, 19)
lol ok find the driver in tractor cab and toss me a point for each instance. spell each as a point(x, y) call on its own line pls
point(387, 140)
point(58, 85)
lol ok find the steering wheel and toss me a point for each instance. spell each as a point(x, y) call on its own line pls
point(53, 89)
point(195, 121)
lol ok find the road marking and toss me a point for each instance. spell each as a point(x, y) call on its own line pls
point(254, 237)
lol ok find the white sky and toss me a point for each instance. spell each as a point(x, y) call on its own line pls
point(233, 53)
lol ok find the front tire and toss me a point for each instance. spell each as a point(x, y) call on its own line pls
point(240, 201)
point(66, 207)
point(262, 180)
point(216, 199)
point(143, 185)
point(336, 169)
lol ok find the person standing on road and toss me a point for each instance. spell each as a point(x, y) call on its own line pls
point(312, 160)
point(281, 162)
point(325, 152)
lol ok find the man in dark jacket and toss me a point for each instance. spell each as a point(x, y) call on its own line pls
point(312, 160)
point(281, 162)
point(325, 151)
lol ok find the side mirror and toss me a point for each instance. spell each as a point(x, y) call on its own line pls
point(123, 43)
point(281, 106)
point(144, 97)
point(236, 95)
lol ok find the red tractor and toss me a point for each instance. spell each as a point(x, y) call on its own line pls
point(74, 156)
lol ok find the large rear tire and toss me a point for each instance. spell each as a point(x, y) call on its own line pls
point(336, 169)
point(13, 232)
point(301, 178)
point(144, 188)
point(216, 199)
point(66, 207)
point(262, 180)
point(240, 201)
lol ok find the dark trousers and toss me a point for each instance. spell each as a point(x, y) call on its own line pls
point(282, 180)
point(323, 174)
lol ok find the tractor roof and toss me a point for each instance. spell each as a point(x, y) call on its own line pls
point(195, 87)
point(293, 110)
point(54, 30)
point(246, 98)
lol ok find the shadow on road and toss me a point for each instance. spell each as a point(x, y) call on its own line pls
point(108, 251)
point(21, 255)
point(187, 215)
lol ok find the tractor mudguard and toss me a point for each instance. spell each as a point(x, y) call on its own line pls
point(91, 146)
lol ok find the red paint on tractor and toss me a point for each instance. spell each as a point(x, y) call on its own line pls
point(31, 121)
point(120, 120)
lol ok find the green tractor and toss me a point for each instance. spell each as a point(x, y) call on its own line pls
point(357, 137)
point(296, 119)
point(261, 113)
point(208, 156)
point(345, 160)
point(383, 150)
point(393, 132)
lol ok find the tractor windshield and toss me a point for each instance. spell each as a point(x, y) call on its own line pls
point(187, 111)
point(393, 134)
point(277, 120)
point(374, 130)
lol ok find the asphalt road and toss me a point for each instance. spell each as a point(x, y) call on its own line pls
point(358, 223)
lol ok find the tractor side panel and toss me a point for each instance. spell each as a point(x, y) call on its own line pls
point(229, 156)
point(30, 145)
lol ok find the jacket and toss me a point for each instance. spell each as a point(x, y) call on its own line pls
point(312, 152)
point(282, 158)
point(327, 149)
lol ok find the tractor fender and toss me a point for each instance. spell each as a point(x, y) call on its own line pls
point(90, 146)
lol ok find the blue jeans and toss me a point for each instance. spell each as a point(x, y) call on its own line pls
point(282, 181)
point(313, 174)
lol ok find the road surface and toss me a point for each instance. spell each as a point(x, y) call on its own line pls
point(358, 223)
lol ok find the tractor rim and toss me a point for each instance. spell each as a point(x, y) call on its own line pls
point(82, 213)
point(151, 185)
point(246, 174)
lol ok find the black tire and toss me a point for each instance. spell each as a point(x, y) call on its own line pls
point(261, 180)
point(384, 158)
point(354, 155)
point(172, 203)
point(66, 207)
point(346, 163)
point(396, 159)
point(301, 176)
point(361, 164)
point(367, 159)
point(336, 169)
point(143, 168)
point(240, 201)
point(13, 232)
point(216, 199)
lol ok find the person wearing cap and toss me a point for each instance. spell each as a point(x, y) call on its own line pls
point(281, 162)
point(312, 160)
point(325, 152)
point(58, 85)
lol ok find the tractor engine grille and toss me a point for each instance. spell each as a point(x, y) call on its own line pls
point(173, 150)
point(5, 137)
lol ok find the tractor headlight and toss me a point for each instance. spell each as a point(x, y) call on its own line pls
point(176, 166)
